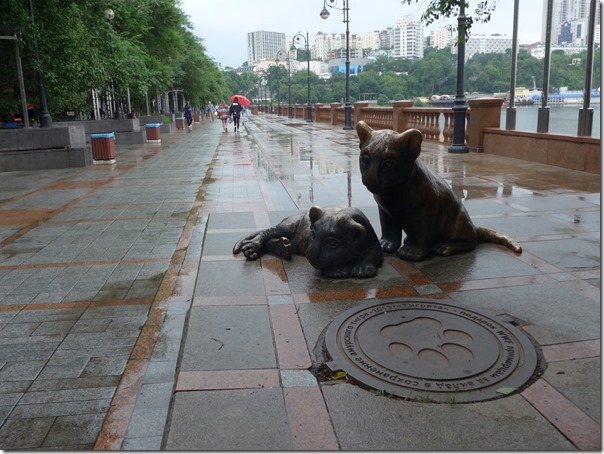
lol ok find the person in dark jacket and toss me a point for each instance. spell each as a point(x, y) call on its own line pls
point(235, 112)
point(188, 115)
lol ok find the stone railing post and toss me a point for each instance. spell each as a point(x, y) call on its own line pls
point(358, 114)
point(334, 112)
point(399, 118)
point(484, 113)
point(317, 114)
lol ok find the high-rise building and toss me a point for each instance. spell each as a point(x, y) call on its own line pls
point(386, 39)
point(569, 21)
point(328, 46)
point(368, 40)
point(408, 38)
point(263, 45)
point(440, 38)
point(485, 44)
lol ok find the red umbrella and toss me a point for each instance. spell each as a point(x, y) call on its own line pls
point(242, 100)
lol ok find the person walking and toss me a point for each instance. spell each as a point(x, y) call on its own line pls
point(235, 112)
point(223, 114)
point(210, 110)
point(188, 115)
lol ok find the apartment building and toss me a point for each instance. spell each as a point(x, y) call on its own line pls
point(485, 44)
point(569, 21)
point(441, 37)
point(408, 33)
point(263, 45)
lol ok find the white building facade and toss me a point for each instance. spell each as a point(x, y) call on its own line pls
point(575, 12)
point(264, 45)
point(441, 37)
point(408, 34)
point(485, 44)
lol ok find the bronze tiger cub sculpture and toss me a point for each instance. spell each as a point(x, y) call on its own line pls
point(412, 199)
point(338, 241)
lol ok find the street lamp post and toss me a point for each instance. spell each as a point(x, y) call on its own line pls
point(460, 107)
point(277, 60)
point(289, 82)
point(109, 14)
point(264, 83)
point(297, 38)
point(45, 118)
point(510, 114)
point(586, 113)
point(270, 86)
point(324, 15)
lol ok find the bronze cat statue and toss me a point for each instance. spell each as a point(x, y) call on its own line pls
point(412, 199)
point(338, 241)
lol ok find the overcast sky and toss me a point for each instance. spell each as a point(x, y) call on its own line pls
point(223, 24)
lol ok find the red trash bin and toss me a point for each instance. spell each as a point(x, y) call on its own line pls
point(180, 122)
point(152, 131)
point(103, 148)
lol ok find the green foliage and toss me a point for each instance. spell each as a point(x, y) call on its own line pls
point(148, 47)
point(244, 83)
point(440, 9)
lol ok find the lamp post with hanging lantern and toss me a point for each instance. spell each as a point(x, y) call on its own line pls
point(345, 11)
point(296, 39)
point(282, 53)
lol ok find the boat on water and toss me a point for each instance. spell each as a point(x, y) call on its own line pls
point(525, 97)
point(522, 97)
point(566, 97)
point(441, 101)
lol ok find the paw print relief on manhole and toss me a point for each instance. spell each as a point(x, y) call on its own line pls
point(430, 346)
point(422, 343)
point(410, 347)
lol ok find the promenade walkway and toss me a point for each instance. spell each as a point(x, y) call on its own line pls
point(126, 322)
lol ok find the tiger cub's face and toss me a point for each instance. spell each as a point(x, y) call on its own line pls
point(387, 157)
point(336, 239)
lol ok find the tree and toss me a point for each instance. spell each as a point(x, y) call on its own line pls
point(437, 70)
point(148, 45)
point(393, 87)
point(368, 82)
point(489, 73)
point(438, 9)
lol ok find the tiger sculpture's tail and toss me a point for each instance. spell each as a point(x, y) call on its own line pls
point(486, 235)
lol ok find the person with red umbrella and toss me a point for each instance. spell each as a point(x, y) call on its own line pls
point(242, 100)
point(235, 111)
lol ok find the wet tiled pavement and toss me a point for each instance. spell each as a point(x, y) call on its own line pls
point(127, 323)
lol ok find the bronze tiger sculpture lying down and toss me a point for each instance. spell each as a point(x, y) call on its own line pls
point(412, 199)
point(338, 241)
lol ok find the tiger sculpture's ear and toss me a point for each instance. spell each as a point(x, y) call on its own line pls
point(315, 213)
point(409, 143)
point(364, 131)
point(358, 230)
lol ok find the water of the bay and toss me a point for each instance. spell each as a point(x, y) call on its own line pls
point(562, 119)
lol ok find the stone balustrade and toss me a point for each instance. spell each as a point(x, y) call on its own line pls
point(483, 132)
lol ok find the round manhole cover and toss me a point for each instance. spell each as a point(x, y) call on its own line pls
point(428, 350)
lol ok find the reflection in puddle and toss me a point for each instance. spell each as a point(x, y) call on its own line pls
point(320, 166)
